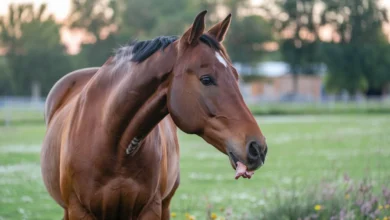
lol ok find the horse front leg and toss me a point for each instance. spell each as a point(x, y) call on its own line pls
point(76, 210)
point(66, 217)
point(152, 211)
point(166, 214)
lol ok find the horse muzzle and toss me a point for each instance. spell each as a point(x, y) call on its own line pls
point(255, 158)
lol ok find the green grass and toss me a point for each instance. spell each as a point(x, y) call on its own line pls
point(303, 150)
point(21, 116)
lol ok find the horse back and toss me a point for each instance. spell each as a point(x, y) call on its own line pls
point(66, 88)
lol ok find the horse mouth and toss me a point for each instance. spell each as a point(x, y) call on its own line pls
point(233, 160)
point(241, 168)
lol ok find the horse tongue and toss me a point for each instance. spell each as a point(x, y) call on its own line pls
point(241, 170)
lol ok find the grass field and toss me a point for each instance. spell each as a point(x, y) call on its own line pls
point(303, 150)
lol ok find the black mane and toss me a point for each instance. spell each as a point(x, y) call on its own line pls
point(141, 50)
point(144, 49)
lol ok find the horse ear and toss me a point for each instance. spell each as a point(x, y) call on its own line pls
point(219, 30)
point(192, 35)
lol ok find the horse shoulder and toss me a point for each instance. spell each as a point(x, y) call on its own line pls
point(65, 88)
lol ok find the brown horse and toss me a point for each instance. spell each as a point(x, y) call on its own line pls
point(111, 150)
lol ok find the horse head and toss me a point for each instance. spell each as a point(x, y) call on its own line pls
point(204, 97)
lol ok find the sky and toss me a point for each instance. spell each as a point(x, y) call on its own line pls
point(58, 7)
point(61, 8)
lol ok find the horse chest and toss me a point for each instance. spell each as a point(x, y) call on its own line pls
point(120, 198)
point(112, 188)
point(133, 188)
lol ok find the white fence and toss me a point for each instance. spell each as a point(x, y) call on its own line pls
point(14, 109)
point(20, 108)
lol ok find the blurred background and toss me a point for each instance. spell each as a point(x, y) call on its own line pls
point(316, 73)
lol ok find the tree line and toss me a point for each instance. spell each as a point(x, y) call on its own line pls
point(357, 53)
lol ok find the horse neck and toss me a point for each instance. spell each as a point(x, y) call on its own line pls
point(136, 103)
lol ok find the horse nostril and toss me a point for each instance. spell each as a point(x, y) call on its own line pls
point(264, 153)
point(256, 154)
point(253, 150)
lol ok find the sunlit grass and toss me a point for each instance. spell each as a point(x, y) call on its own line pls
point(303, 151)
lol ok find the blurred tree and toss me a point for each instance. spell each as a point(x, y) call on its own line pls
point(114, 23)
point(94, 16)
point(99, 19)
point(358, 57)
point(96, 54)
point(150, 18)
point(297, 27)
point(247, 32)
point(355, 20)
point(140, 20)
point(6, 83)
point(246, 37)
point(32, 57)
point(377, 68)
point(342, 73)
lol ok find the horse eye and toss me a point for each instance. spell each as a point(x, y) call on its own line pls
point(207, 80)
